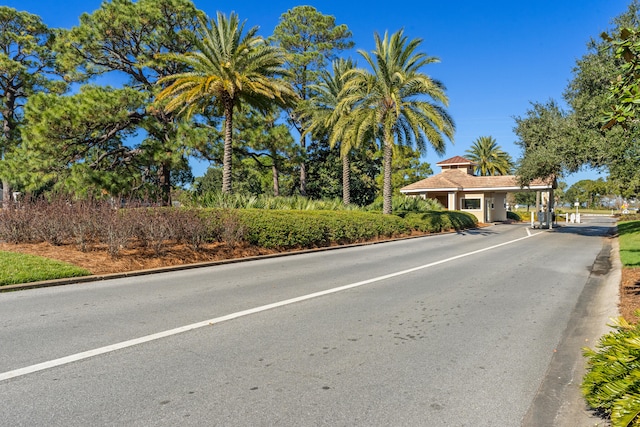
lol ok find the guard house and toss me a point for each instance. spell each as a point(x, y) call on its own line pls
point(457, 188)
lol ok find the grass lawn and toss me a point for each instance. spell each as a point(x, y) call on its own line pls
point(18, 268)
point(629, 233)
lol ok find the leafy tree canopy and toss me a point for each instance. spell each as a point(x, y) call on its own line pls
point(122, 38)
point(396, 103)
point(491, 159)
point(576, 139)
point(26, 68)
point(312, 40)
point(228, 67)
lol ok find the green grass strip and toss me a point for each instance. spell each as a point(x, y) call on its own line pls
point(16, 268)
point(629, 237)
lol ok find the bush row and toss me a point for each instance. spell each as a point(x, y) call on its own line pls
point(401, 204)
point(88, 224)
point(288, 229)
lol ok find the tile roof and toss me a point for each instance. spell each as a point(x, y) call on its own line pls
point(457, 160)
point(459, 179)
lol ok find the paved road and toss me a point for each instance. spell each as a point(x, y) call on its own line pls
point(456, 329)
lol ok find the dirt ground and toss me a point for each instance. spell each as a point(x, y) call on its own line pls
point(98, 261)
point(630, 293)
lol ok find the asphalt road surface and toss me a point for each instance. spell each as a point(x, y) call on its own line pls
point(478, 328)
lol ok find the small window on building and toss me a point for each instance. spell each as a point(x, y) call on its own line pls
point(470, 203)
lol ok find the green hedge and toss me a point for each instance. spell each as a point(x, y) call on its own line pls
point(513, 216)
point(88, 225)
point(289, 229)
point(438, 221)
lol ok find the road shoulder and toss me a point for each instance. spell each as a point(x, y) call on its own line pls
point(559, 401)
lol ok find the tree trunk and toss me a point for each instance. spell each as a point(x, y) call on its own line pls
point(303, 167)
point(8, 126)
point(6, 194)
point(346, 180)
point(228, 133)
point(276, 180)
point(165, 183)
point(386, 186)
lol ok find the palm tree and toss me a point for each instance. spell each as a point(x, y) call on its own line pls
point(323, 114)
point(395, 103)
point(490, 158)
point(227, 68)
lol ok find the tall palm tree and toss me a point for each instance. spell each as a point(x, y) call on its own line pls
point(226, 68)
point(323, 113)
point(490, 158)
point(395, 103)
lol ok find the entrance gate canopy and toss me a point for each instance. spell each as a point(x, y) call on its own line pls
point(457, 188)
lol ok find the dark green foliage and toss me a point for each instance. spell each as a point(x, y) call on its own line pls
point(311, 39)
point(325, 173)
point(556, 143)
point(438, 221)
point(543, 134)
point(588, 192)
point(513, 216)
point(291, 229)
point(525, 198)
point(26, 68)
point(284, 229)
point(75, 143)
point(122, 38)
point(403, 205)
point(612, 381)
point(288, 229)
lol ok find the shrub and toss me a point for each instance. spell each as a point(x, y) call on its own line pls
point(612, 381)
point(153, 226)
point(91, 222)
point(83, 228)
point(16, 224)
point(438, 221)
point(191, 228)
point(115, 230)
point(289, 228)
point(51, 220)
point(513, 216)
point(283, 229)
point(402, 205)
point(232, 230)
point(219, 200)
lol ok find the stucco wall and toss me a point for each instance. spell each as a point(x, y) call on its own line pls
point(480, 212)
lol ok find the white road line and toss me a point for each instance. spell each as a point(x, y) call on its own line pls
point(130, 343)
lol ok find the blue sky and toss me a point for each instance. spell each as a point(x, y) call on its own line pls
point(496, 56)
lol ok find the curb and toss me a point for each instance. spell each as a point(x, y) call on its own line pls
point(168, 269)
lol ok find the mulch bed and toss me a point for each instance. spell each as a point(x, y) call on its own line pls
point(98, 261)
point(630, 294)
